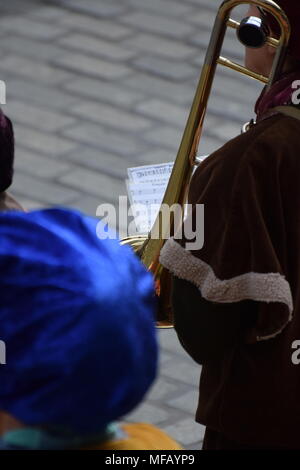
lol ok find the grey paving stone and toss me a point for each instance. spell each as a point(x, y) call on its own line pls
point(43, 191)
point(90, 66)
point(43, 119)
point(219, 128)
point(33, 70)
point(207, 4)
point(89, 182)
point(181, 93)
point(169, 342)
point(100, 161)
point(209, 145)
point(111, 116)
point(106, 139)
point(147, 413)
point(165, 68)
point(158, 155)
point(226, 130)
point(143, 21)
point(39, 166)
point(164, 357)
point(197, 446)
point(46, 13)
point(185, 402)
point(53, 146)
point(231, 110)
point(97, 47)
point(164, 111)
point(102, 9)
point(165, 136)
point(107, 92)
point(17, 7)
point(86, 204)
point(186, 431)
point(147, 43)
point(202, 18)
point(41, 95)
point(96, 26)
point(28, 47)
point(31, 28)
point(171, 138)
point(163, 7)
point(232, 48)
point(162, 390)
point(184, 370)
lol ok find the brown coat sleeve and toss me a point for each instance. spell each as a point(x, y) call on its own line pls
point(249, 193)
point(205, 329)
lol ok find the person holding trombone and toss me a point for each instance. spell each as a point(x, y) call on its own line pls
point(236, 301)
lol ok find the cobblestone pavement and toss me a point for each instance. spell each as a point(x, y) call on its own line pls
point(97, 86)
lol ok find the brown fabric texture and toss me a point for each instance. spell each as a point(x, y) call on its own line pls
point(216, 441)
point(292, 10)
point(251, 192)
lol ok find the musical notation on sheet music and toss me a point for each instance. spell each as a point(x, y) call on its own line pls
point(146, 186)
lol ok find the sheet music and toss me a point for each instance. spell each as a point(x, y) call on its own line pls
point(146, 186)
point(145, 200)
point(151, 173)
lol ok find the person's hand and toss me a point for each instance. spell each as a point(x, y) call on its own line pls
point(7, 202)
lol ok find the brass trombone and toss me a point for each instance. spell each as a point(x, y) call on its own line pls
point(145, 246)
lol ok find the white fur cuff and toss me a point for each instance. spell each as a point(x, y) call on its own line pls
point(269, 287)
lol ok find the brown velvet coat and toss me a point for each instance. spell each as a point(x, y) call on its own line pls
point(251, 192)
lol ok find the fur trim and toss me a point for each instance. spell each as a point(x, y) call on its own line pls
point(269, 287)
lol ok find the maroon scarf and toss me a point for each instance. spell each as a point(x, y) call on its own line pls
point(280, 94)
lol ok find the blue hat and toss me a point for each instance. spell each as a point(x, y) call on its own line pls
point(76, 316)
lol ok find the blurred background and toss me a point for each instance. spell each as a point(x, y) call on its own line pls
point(97, 86)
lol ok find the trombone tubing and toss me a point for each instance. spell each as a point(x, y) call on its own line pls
point(239, 68)
point(281, 44)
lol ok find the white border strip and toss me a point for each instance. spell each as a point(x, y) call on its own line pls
point(270, 287)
